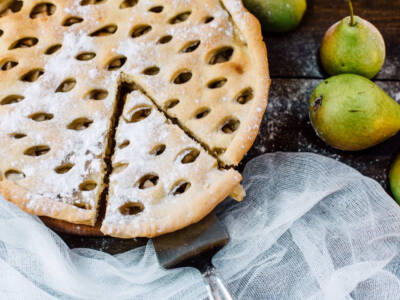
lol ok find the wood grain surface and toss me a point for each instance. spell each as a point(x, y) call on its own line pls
point(294, 55)
point(295, 71)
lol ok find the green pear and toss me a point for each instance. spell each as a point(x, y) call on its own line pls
point(394, 178)
point(277, 15)
point(350, 112)
point(353, 45)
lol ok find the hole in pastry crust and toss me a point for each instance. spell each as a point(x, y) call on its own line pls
point(124, 144)
point(217, 83)
point(63, 168)
point(90, 2)
point(218, 151)
point(32, 75)
point(188, 155)
point(66, 86)
point(119, 167)
point(245, 96)
point(131, 208)
point(8, 64)
point(96, 94)
point(1, 32)
point(182, 77)
point(53, 49)
point(158, 150)
point(105, 30)
point(165, 39)
point(208, 19)
point(85, 56)
point(157, 9)
point(128, 3)
point(42, 10)
point(116, 63)
point(179, 18)
point(37, 150)
point(202, 112)
point(180, 187)
point(11, 99)
point(11, 7)
point(88, 185)
point(147, 181)
point(17, 135)
point(151, 71)
point(140, 30)
point(71, 21)
point(230, 125)
point(41, 116)
point(82, 205)
point(171, 103)
point(25, 42)
point(14, 175)
point(80, 124)
point(139, 113)
point(220, 55)
point(190, 46)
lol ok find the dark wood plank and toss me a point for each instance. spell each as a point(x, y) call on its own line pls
point(296, 54)
point(286, 127)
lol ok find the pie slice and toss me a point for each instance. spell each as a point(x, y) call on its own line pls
point(162, 180)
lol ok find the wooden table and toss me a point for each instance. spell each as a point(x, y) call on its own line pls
point(295, 71)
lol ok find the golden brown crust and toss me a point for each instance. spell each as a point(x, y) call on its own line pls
point(251, 29)
point(71, 228)
point(179, 218)
point(43, 206)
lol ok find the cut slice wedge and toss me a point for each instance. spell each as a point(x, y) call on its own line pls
point(161, 180)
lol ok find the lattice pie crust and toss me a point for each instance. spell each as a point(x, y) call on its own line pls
point(201, 64)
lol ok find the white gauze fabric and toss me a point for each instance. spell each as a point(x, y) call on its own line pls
point(309, 228)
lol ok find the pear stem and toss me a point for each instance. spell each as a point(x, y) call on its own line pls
point(352, 23)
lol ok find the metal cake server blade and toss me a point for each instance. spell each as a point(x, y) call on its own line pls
point(194, 246)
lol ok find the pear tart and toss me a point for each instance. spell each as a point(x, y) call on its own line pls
point(62, 65)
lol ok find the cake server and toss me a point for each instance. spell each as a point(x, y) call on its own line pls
point(194, 246)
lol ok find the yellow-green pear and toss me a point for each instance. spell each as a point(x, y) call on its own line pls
point(394, 177)
point(277, 15)
point(353, 45)
point(350, 112)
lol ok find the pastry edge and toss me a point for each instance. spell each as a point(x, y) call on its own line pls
point(45, 207)
point(248, 131)
point(219, 191)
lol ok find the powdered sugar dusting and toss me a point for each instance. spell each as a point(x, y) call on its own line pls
point(144, 135)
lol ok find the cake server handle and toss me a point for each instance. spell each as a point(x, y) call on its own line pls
point(215, 286)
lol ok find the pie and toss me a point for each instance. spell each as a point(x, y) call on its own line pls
point(143, 107)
